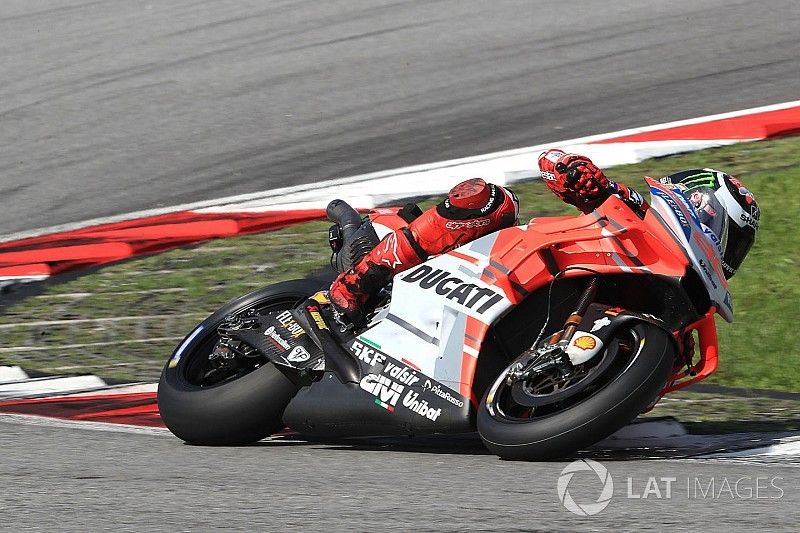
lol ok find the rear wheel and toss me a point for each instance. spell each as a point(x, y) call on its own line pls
point(550, 415)
point(242, 401)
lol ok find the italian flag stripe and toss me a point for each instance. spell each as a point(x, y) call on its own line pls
point(384, 405)
point(371, 343)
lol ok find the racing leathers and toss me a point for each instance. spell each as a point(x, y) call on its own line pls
point(472, 209)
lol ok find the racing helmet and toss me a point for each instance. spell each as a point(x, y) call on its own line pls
point(725, 207)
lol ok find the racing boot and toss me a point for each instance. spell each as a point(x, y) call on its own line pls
point(472, 209)
point(351, 292)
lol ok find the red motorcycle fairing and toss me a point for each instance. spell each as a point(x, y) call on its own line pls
point(611, 241)
point(502, 282)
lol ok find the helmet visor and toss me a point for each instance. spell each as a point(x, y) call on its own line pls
point(740, 240)
point(711, 213)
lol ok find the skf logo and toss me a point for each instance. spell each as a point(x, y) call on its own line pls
point(454, 288)
point(369, 355)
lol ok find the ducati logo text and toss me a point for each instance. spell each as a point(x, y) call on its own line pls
point(454, 288)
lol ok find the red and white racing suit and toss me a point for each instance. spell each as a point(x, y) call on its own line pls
point(472, 209)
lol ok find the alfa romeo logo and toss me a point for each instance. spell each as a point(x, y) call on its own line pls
point(585, 509)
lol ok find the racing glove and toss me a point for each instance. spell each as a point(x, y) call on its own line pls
point(578, 181)
point(575, 179)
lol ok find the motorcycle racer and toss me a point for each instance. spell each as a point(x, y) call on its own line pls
point(472, 209)
point(726, 208)
point(475, 208)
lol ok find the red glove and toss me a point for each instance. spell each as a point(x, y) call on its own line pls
point(574, 178)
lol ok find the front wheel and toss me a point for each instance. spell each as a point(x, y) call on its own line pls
point(553, 421)
point(241, 402)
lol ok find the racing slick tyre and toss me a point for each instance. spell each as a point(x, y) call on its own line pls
point(627, 378)
point(241, 405)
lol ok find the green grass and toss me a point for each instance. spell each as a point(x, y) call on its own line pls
point(714, 413)
point(760, 350)
point(172, 291)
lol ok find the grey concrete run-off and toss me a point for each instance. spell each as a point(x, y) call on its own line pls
point(112, 106)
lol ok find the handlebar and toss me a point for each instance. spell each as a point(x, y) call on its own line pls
point(341, 213)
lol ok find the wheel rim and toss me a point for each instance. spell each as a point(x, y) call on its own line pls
point(547, 395)
point(196, 369)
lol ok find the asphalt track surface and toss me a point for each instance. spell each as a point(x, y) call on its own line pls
point(114, 106)
point(78, 480)
point(111, 106)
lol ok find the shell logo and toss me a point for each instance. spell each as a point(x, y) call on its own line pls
point(585, 343)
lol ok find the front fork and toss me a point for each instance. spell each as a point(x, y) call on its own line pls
point(690, 372)
point(554, 351)
point(565, 335)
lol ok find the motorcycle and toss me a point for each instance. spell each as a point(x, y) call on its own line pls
point(545, 338)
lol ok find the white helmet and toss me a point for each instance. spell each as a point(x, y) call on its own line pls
point(726, 207)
